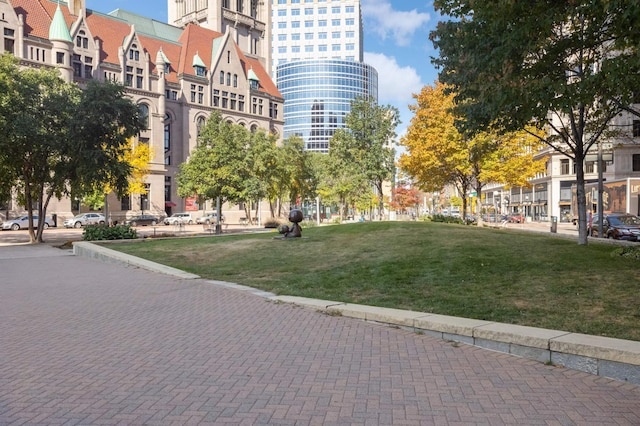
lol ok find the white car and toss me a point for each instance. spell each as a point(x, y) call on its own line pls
point(178, 218)
point(23, 223)
point(85, 219)
point(211, 217)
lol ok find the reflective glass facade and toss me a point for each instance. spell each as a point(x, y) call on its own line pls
point(318, 94)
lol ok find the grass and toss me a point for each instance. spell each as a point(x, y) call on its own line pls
point(498, 275)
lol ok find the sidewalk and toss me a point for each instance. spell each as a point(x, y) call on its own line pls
point(87, 342)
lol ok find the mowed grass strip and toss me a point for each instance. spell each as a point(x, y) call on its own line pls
point(497, 275)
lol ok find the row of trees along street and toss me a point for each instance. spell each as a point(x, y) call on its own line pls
point(230, 163)
point(515, 72)
point(57, 139)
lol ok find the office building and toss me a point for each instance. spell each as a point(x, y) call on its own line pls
point(318, 66)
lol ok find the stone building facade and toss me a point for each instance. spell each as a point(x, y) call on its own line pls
point(177, 75)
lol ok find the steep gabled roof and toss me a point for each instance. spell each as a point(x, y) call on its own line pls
point(178, 45)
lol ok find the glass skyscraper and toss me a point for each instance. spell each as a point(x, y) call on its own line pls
point(318, 68)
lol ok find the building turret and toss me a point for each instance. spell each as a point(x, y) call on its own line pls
point(62, 43)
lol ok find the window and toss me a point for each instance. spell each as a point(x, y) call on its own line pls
point(228, 79)
point(282, 1)
point(77, 66)
point(636, 162)
point(349, 9)
point(564, 167)
point(273, 110)
point(239, 5)
point(295, 12)
point(308, 11)
point(335, 9)
point(350, 34)
point(335, 22)
point(636, 128)
point(295, 24)
point(322, 11)
point(144, 115)
point(282, 37)
point(335, 47)
point(349, 21)
point(282, 49)
point(335, 34)
point(308, 24)
point(282, 25)
point(322, 48)
point(125, 203)
point(235, 80)
point(59, 57)
point(200, 94)
point(134, 53)
point(282, 12)
point(308, 36)
point(241, 103)
point(193, 93)
point(295, 49)
point(129, 77)
point(200, 71)
point(221, 77)
point(144, 197)
point(295, 36)
point(167, 133)
point(139, 78)
point(9, 43)
point(216, 97)
point(81, 40)
point(308, 48)
point(225, 4)
point(350, 46)
point(589, 167)
point(322, 23)
point(322, 36)
point(200, 122)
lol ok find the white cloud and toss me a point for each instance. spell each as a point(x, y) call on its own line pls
point(400, 25)
point(396, 85)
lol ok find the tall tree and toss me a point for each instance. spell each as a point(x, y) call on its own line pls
point(56, 139)
point(437, 153)
point(372, 133)
point(216, 167)
point(569, 70)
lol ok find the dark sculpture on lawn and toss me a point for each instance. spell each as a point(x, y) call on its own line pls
point(293, 231)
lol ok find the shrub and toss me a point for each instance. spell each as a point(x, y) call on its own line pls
point(446, 219)
point(632, 252)
point(272, 223)
point(104, 232)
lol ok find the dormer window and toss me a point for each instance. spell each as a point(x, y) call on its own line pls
point(134, 53)
point(199, 66)
point(82, 40)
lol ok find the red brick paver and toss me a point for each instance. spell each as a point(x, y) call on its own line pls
point(83, 342)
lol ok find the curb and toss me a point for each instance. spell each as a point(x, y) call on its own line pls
point(616, 359)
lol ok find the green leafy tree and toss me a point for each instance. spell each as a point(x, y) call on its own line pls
point(368, 144)
point(569, 71)
point(216, 167)
point(56, 139)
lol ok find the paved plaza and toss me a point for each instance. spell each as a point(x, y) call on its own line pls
point(85, 342)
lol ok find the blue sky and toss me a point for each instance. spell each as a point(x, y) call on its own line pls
point(396, 43)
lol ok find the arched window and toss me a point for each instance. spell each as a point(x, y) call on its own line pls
point(134, 54)
point(221, 77)
point(200, 122)
point(144, 115)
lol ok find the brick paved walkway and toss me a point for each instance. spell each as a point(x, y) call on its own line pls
point(83, 342)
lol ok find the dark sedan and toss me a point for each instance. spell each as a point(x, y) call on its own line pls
point(143, 220)
point(620, 226)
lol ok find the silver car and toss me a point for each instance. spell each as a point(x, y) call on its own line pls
point(85, 219)
point(23, 223)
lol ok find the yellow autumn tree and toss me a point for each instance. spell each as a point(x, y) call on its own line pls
point(138, 156)
point(437, 154)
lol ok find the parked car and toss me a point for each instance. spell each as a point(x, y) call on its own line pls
point(23, 223)
point(85, 219)
point(515, 218)
point(210, 217)
point(620, 226)
point(178, 218)
point(143, 220)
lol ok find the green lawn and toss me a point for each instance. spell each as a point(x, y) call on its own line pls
point(499, 275)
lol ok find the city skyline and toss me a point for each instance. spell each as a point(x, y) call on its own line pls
point(396, 44)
